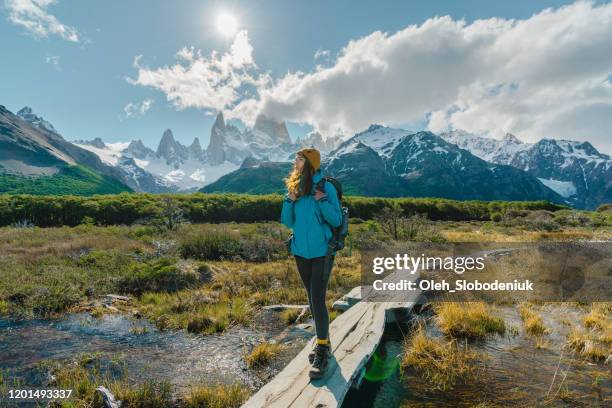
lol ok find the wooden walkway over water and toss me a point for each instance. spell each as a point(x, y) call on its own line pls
point(354, 336)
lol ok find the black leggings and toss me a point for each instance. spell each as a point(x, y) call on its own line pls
point(311, 272)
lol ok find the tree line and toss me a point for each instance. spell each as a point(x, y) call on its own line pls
point(130, 208)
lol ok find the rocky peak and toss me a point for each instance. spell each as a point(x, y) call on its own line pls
point(276, 130)
point(219, 122)
point(510, 138)
point(195, 149)
point(138, 150)
point(216, 146)
point(29, 116)
point(170, 149)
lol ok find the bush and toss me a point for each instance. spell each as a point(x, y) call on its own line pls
point(210, 245)
point(159, 275)
point(173, 209)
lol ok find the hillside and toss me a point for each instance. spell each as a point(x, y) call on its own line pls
point(35, 159)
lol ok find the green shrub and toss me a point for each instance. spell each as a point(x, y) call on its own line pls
point(129, 208)
point(210, 245)
point(159, 275)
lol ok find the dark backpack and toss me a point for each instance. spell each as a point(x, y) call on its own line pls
point(339, 233)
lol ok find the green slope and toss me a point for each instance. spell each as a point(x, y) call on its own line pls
point(265, 178)
point(73, 180)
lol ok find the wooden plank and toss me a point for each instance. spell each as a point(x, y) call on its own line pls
point(355, 334)
point(286, 387)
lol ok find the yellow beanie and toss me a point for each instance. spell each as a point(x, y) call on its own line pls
point(313, 156)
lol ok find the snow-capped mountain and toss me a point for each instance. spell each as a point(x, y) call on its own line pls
point(575, 170)
point(173, 166)
point(396, 162)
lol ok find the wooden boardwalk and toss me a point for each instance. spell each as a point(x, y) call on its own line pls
point(354, 336)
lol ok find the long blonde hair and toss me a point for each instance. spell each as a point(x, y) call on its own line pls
point(300, 182)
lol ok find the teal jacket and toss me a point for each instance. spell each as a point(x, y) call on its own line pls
point(311, 220)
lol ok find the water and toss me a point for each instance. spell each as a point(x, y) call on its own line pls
point(146, 352)
point(514, 372)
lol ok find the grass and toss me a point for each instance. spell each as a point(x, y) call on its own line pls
point(599, 317)
point(289, 316)
point(262, 354)
point(442, 364)
point(217, 396)
point(473, 320)
point(84, 375)
point(589, 344)
point(534, 325)
point(594, 341)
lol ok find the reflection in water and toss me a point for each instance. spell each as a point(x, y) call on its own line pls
point(515, 372)
point(146, 352)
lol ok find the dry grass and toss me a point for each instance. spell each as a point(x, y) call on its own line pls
point(262, 354)
point(289, 316)
point(599, 317)
point(217, 396)
point(468, 319)
point(589, 344)
point(441, 364)
point(594, 342)
point(534, 325)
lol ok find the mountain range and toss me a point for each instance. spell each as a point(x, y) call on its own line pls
point(388, 162)
point(575, 170)
point(380, 161)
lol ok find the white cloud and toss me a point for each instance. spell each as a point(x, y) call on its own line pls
point(54, 60)
point(543, 76)
point(133, 109)
point(321, 53)
point(209, 82)
point(33, 15)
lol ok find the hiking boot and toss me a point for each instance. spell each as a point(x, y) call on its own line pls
point(311, 355)
point(322, 353)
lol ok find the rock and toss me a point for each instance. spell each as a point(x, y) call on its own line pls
point(117, 297)
point(108, 399)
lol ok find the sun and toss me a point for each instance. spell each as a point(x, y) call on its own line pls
point(227, 24)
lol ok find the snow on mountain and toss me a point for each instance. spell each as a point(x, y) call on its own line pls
point(563, 188)
point(110, 153)
point(575, 170)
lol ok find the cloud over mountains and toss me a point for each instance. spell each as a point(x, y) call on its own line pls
point(544, 76)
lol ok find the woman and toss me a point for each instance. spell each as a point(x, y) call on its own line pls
point(311, 213)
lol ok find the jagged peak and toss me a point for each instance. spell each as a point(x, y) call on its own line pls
point(510, 138)
point(272, 127)
point(168, 134)
point(219, 121)
point(136, 143)
point(26, 110)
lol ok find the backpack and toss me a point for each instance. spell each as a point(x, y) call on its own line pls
point(339, 233)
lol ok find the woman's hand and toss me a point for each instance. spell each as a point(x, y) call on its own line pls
point(319, 195)
point(292, 196)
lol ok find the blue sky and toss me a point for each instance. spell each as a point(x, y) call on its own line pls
point(79, 84)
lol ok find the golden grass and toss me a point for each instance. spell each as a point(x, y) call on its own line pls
point(262, 354)
point(217, 396)
point(588, 344)
point(441, 364)
point(534, 325)
point(468, 319)
point(289, 316)
point(599, 317)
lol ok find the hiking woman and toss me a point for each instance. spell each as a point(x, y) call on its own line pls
point(311, 208)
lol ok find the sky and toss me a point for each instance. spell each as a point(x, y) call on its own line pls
point(123, 70)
